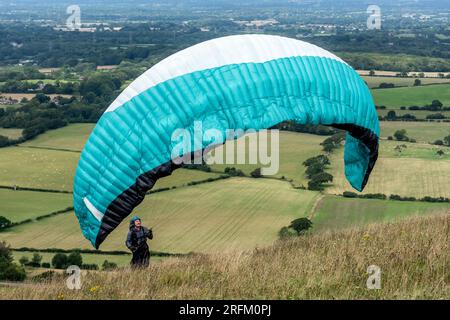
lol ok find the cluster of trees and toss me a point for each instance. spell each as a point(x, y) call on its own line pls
point(232, 171)
point(63, 261)
point(17, 86)
point(315, 171)
point(305, 128)
point(443, 142)
point(380, 196)
point(9, 270)
point(41, 113)
point(333, 142)
point(296, 228)
point(435, 105)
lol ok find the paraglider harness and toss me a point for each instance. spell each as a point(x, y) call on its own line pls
point(139, 242)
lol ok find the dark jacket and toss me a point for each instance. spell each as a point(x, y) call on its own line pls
point(137, 239)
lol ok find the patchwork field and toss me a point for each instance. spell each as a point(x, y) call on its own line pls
point(421, 131)
point(21, 205)
point(375, 81)
point(411, 96)
point(294, 148)
point(414, 171)
point(71, 137)
point(233, 214)
point(332, 213)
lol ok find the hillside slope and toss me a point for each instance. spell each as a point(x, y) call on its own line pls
point(413, 255)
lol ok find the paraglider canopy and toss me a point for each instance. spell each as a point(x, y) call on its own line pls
point(236, 82)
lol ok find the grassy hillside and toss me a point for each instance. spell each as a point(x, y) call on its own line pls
point(333, 212)
point(238, 213)
point(421, 131)
point(413, 257)
point(411, 96)
point(21, 205)
point(415, 171)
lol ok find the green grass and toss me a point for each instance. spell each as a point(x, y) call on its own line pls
point(233, 214)
point(11, 133)
point(333, 212)
point(411, 96)
point(294, 148)
point(421, 131)
point(32, 165)
point(374, 81)
point(21, 205)
point(37, 168)
point(72, 137)
point(417, 171)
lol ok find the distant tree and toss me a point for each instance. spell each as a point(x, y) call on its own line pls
point(400, 135)
point(440, 152)
point(4, 223)
point(36, 260)
point(42, 98)
point(24, 260)
point(107, 265)
point(436, 105)
point(391, 115)
point(301, 225)
point(4, 141)
point(75, 259)
point(439, 142)
point(286, 233)
point(447, 140)
point(256, 173)
point(8, 269)
point(417, 82)
point(59, 261)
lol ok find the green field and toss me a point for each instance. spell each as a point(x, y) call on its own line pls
point(21, 205)
point(421, 131)
point(411, 96)
point(11, 133)
point(37, 168)
point(294, 148)
point(415, 171)
point(72, 137)
point(54, 169)
point(233, 214)
point(374, 81)
point(333, 212)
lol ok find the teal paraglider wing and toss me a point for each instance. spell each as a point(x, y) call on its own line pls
point(237, 82)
